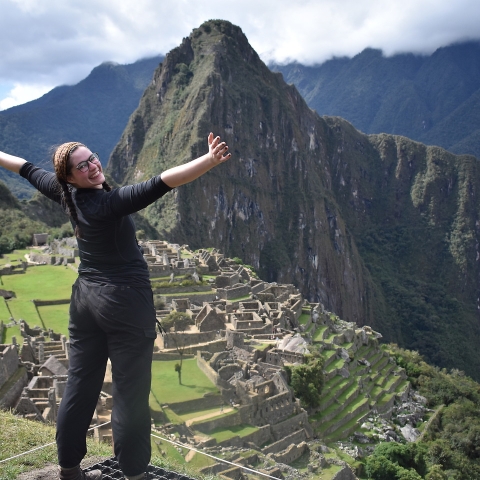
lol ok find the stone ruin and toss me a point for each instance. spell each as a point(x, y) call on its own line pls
point(242, 335)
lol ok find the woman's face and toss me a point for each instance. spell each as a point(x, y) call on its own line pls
point(92, 176)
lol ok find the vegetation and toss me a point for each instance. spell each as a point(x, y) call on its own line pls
point(450, 448)
point(307, 380)
point(18, 435)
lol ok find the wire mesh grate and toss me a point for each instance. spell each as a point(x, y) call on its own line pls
point(111, 471)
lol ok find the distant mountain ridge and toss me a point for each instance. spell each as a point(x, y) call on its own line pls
point(433, 99)
point(94, 111)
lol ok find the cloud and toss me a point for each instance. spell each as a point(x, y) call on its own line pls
point(54, 42)
point(22, 93)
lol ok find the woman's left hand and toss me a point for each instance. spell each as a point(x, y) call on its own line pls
point(218, 150)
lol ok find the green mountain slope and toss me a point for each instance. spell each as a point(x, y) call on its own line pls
point(380, 229)
point(95, 111)
point(432, 99)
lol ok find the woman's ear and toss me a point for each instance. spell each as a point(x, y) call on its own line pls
point(70, 180)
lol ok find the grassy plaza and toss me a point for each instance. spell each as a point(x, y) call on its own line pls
point(194, 383)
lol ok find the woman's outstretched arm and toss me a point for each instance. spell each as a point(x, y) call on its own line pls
point(10, 162)
point(217, 153)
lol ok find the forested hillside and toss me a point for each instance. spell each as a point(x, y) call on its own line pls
point(434, 99)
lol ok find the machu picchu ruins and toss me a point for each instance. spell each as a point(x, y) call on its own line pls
point(242, 333)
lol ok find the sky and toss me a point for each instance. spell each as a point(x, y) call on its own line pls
point(47, 43)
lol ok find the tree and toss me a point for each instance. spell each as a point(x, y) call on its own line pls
point(175, 324)
point(307, 380)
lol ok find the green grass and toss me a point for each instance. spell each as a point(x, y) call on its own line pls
point(195, 383)
point(55, 317)
point(172, 416)
point(222, 434)
point(303, 319)
point(260, 346)
point(24, 309)
point(385, 398)
point(239, 299)
point(46, 282)
point(18, 435)
point(319, 333)
point(4, 313)
point(330, 337)
point(10, 332)
point(15, 257)
point(328, 354)
point(339, 362)
point(198, 413)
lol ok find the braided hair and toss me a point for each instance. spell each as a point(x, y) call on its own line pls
point(62, 168)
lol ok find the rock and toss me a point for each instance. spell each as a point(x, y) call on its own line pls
point(361, 437)
point(410, 433)
point(345, 473)
point(419, 398)
point(344, 354)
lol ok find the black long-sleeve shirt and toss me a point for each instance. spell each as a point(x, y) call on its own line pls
point(108, 249)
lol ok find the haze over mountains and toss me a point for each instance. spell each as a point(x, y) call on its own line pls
point(381, 229)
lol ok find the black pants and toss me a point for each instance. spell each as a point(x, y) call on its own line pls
point(117, 323)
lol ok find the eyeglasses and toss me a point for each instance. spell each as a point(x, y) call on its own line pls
point(83, 166)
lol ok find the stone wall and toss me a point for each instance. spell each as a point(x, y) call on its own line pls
point(194, 297)
point(282, 429)
point(234, 292)
point(277, 408)
point(198, 404)
point(279, 357)
point(187, 339)
point(164, 357)
point(224, 421)
point(292, 453)
point(259, 438)
point(8, 362)
point(13, 389)
point(295, 438)
point(42, 303)
point(205, 367)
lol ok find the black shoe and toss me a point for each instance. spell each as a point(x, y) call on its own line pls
point(77, 473)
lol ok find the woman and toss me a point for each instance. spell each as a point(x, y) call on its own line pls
point(111, 311)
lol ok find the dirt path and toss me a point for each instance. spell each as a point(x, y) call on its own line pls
point(208, 415)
